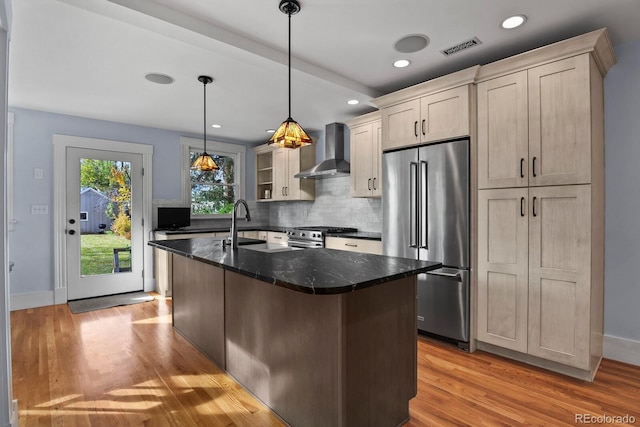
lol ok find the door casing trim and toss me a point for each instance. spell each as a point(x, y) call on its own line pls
point(60, 144)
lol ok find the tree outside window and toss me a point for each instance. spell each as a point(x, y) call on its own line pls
point(213, 192)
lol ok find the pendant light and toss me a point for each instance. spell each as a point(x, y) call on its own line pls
point(290, 134)
point(204, 162)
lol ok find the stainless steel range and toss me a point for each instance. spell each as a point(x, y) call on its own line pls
point(313, 237)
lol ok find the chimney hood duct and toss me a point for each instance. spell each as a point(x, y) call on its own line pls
point(334, 163)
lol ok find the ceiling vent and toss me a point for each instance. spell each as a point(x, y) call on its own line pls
point(461, 46)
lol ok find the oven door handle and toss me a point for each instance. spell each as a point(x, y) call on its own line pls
point(304, 244)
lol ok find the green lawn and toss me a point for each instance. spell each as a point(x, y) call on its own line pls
point(96, 252)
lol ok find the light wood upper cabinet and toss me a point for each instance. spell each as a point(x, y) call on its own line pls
point(435, 110)
point(434, 117)
point(285, 163)
point(366, 158)
point(503, 132)
point(445, 114)
point(534, 126)
point(400, 125)
point(560, 122)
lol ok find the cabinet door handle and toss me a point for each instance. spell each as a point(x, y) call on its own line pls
point(369, 184)
point(277, 237)
point(521, 168)
point(423, 123)
point(533, 167)
point(521, 206)
point(415, 128)
point(286, 191)
point(534, 207)
point(283, 191)
point(353, 245)
point(374, 184)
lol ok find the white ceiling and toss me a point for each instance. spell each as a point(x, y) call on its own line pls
point(89, 57)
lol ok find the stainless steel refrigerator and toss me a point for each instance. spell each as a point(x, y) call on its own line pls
point(425, 210)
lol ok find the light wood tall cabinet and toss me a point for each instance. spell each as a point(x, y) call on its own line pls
point(541, 205)
point(366, 155)
point(275, 170)
point(435, 110)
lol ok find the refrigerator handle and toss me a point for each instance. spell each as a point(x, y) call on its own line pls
point(413, 205)
point(423, 212)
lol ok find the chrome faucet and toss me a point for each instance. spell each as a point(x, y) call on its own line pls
point(234, 229)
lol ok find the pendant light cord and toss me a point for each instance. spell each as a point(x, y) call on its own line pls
point(289, 13)
point(204, 123)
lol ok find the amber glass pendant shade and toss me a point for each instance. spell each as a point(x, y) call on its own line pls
point(290, 135)
point(205, 163)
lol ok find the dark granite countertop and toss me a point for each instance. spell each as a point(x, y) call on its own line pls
point(312, 271)
point(365, 235)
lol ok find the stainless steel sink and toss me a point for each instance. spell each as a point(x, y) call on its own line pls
point(269, 247)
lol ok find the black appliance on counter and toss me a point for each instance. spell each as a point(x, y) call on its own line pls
point(313, 237)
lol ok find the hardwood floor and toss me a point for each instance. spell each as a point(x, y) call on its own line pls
point(126, 366)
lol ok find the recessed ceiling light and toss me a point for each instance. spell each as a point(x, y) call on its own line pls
point(161, 79)
point(401, 63)
point(271, 130)
point(353, 102)
point(513, 22)
point(411, 43)
point(216, 126)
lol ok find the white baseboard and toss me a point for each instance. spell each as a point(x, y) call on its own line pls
point(622, 350)
point(31, 300)
point(14, 416)
point(150, 284)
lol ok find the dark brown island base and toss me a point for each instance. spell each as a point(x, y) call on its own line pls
point(322, 337)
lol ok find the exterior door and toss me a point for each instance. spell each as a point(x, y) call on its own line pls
point(104, 228)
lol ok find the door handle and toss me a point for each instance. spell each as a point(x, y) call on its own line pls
point(72, 232)
point(534, 207)
point(533, 167)
point(521, 168)
point(413, 205)
point(521, 206)
point(455, 276)
point(424, 121)
point(369, 184)
point(415, 128)
point(72, 221)
point(374, 184)
point(423, 194)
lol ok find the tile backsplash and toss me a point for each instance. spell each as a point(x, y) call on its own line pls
point(333, 206)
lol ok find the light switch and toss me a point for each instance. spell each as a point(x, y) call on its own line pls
point(39, 209)
point(38, 173)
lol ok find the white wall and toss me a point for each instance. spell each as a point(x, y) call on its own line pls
point(31, 241)
point(622, 192)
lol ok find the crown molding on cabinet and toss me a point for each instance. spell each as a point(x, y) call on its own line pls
point(597, 42)
point(439, 84)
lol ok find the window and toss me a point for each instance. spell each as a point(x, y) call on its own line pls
point(213, 194)
point(84, 216)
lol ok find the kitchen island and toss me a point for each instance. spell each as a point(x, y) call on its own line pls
point(323, 337)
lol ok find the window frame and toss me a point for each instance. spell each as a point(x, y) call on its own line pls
point(237, 151)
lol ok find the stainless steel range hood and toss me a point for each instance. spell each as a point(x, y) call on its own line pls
point(334, 163)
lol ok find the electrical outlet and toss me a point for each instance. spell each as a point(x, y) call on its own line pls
point(39, 209)
point(38, 173)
